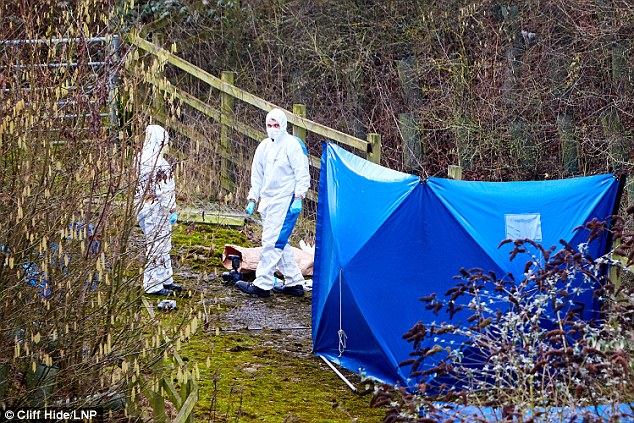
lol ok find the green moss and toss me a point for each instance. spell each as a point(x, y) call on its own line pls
point(254, 376)
point(200, 246)
point(256, 382)
point(248, 379)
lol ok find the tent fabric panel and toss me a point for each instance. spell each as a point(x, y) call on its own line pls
point(362, 352)
point(388, 276)
point(483, 207)
point(326, 264)
point(371, 191)
point(491, 203)
point(341, 175)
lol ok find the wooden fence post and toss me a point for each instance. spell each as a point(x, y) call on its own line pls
point(158, 97)
point(374, 152)
point(190, 389)
point(158, 406)
point(227, 109)
point(298, 131)
point(454, 172)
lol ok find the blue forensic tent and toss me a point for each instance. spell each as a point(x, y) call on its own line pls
point(386, 238)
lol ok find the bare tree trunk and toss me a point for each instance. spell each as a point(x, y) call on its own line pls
point(563, 79)
point(407, 74)
point(413, 149)
point(521, 142)
point(513, 52)
point(568, 143)
point(356, 98)
point(611, 122)
point(464, 127)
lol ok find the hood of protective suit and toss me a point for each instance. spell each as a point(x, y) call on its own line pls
point(156, 139)
point(280, 117)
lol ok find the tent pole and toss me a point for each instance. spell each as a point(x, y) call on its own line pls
point(339, 374)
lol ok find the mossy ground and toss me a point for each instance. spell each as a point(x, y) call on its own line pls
point(254, 355)
point(200, 246)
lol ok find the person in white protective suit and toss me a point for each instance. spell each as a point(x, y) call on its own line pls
point(279, 181)
point(155, 199)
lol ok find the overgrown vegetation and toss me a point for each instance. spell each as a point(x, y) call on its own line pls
point(73, 330)
point(529, 349)
point(509, 90)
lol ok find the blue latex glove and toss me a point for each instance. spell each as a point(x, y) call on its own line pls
point(250, 207)
point(296, 206)
point(173, 218)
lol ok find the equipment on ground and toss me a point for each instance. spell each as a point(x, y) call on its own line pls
point(233, 276)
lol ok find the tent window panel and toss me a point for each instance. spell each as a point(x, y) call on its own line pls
point(522, 226)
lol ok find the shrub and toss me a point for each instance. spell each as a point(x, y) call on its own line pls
point(72, 328)
point(530, 348)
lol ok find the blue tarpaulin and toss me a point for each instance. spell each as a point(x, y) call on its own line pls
point(450, 413)
point(386, 238)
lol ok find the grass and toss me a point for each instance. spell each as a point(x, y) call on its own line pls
point(249, 373)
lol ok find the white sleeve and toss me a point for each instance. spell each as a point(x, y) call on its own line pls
point(257, 173)
point(166, 187)
point(167, 194)
point(299, 163)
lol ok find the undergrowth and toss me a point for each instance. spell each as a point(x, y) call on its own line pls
point(554, 346)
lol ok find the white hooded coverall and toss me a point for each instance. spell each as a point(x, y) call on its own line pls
point(155, 198)
point(279, 173)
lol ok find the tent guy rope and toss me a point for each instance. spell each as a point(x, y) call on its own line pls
point(341, 332)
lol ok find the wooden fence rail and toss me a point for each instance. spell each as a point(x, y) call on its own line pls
point(224, 115)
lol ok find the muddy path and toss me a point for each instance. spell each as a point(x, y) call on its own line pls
point(285, 319)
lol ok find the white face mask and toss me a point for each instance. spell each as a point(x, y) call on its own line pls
point(273, 133)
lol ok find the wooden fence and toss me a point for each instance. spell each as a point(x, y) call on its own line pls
point(224, 114)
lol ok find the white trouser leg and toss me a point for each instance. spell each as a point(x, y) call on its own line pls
point(289, 268)
point(158, 243)
point(264, 274)
point(164, 247)
point(277, 225)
